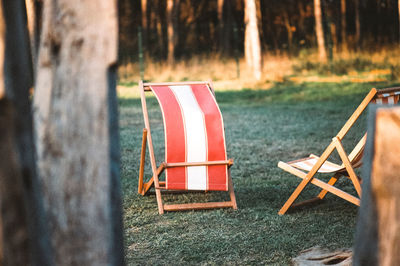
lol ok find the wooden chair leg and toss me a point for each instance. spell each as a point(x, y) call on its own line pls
point(294, 196)
point(331, 182)
point(142, 161)
point(231, 190)
point(159, 201)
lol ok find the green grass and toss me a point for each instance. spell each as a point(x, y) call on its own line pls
point(262, 127)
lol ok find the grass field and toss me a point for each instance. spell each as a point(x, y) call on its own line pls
point(262, 127)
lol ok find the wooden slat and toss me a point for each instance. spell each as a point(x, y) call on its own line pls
point(349, 168)
point(353, 118)
point(147, 85)
point(170, 165)
point(331, 182)
point(149, 184)
point(197, 206)
point(150, 145)
point(142, 161)
point(386, 91)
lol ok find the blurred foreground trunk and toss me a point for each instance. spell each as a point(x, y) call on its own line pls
point(319, 30)
point(23, 236)
point(33, 13)
point(77, 131)
point(252, 39)
point(378, 228)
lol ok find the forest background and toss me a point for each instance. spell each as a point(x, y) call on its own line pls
point(358, 40)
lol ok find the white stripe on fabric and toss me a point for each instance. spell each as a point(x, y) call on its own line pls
point(379, 101)
point(391, 100)
point(196, 145)
point(397, 93)
point(386, 94)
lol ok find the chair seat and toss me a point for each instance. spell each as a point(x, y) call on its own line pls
point(308, 163)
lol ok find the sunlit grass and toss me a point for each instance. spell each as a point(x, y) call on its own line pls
point(262, 127)
point(361, 67)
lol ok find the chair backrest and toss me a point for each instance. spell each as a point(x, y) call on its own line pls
point(194, 133)
point(383, 96)
point(387, 96)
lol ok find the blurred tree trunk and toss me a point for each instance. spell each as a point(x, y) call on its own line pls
point(377, 238)
point(343, 24)
point(319, 30)
point(31, 17)
point(358, 23)
point(221, 26)
point(77, 131)
point(144, 25)
point(398, 6)
point(252, 39)
point(289, 31)
point(172, 19)
point(23, 233)
point(34, 12)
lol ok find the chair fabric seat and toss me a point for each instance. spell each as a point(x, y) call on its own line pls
point(308, 163)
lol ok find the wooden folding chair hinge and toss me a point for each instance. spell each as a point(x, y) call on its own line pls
point(347, 164)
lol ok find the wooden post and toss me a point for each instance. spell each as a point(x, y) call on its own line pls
point(378, 228)
point(77, 131)
point(23, 232)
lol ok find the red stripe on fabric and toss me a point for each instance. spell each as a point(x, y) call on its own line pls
point(217, 174)
point(175, 142)
point(385, 100)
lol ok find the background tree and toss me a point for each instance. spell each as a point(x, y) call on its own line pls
point(23, 233)
point(252, 39)
point(319, 31)
point(343, 23)
point(172, 13)
point(77, 131)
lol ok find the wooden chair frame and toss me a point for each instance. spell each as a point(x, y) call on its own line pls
point(154, 181)
point(347, 162)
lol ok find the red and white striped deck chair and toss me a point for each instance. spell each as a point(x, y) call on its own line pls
point(195, 152)
point(307, 168)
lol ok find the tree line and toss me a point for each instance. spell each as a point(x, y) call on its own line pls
point(177, 29)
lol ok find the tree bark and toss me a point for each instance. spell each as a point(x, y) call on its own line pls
point(343, 24)
point(358, 22)
point(221, 25)
point(144, 23)
point(172, 12)
point(289, 31)
point(252, 39)
point(378, 227)
point(319, 30)
point(398, 7)
point(23, 232)
point(33, 12)
point(77, 131)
